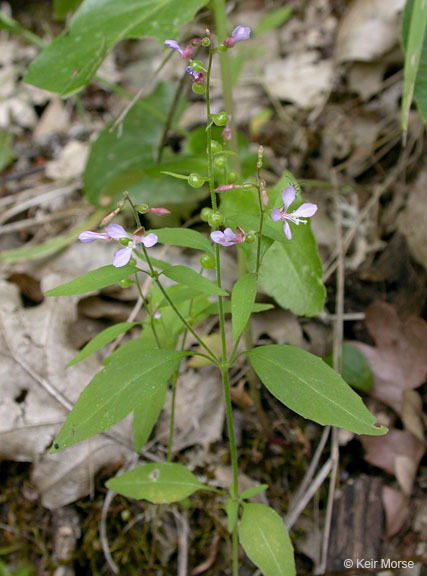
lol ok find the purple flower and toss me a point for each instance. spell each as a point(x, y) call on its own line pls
point(196, 77)
point(228, 237)
point(122, 256)
point(226, 133)
point(305, 210)
point(239, 33)
point(173, 45)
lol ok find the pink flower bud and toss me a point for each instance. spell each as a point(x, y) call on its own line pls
point(159, 211)
point(264, 197)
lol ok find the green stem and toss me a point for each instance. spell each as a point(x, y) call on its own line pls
point(173, 398)
point(148, 311)
point(224, 366)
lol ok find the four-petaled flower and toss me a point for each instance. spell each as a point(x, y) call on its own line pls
point(305, 210)
point(122, 256)
point(239, 33)
point(228, 237)
point(173, 45)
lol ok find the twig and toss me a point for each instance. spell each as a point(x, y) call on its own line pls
point(290, 517)
point(183, 534)
point(103, 522)
point(204, 566)
point(337, 347)
point(30, 222)
point(37, 200)
point(19, 175)
point(308, 495)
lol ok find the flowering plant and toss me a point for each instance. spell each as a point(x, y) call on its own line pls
point(136, 376)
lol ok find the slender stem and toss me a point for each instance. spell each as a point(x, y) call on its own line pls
point(260, 186)
point(173, 398)
point(147, 309)
point(209, 133)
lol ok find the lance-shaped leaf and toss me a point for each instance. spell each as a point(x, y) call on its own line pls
point(71, 60)
point(128, 381)
point(184, 237)
point(189, 277)
point(159, 483)
point(93, 280)
point(309, 387)
point(101, 339)
point(266, 541)
point(242, 303)
point(145, 416)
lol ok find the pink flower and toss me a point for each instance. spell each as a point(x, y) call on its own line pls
point(239, 33)
point(228, 237)
point(305, 210)
point(173, 45)
point(264, 197)
point(226, 133)
point(159, 211)
point(122, 256)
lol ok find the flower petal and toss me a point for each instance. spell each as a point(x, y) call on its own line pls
point(116, 231)
point(229, 235)
point(89, 236)
point(241, 33)
point(122, 257)
point(288, 196)
point(219, 238)
point(149, 240)
point(173, 44)
point(306, 210)
point(287, 230)
point(276, 215)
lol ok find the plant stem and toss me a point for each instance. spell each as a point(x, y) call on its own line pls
point(173, 398)
point(147, 309)
point(224, 366)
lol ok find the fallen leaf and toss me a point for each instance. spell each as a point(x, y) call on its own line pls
point(398, 453)
point(412, 221)
point(412, 413)
point(71, 162)
point(396, 508)
point(368, 30)
point(303, 78)
point(398, 361)
point(54, 120)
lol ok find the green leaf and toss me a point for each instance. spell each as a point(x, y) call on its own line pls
point(291, 270)
point(62, 7)
point(101, 339)
point(189, 277)
point(414, 40)
point(306, 385)
point(266, 541)
point(53, 245)
point(6, 152)
point(116, 159)
point(93, 280)
point(232, 510)
point(355, 368)
point(273, 19)
point(69, 62)
point(253, 491)
point(159, 483)
point(145, 416)
point(242, 302)
point(126, 382)
point(184, 237)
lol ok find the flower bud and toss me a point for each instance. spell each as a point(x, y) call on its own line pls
point(108, 218)
point(216, 219)
point(215, 147)
point(204, 214)
point(197, 66)
point(195, 180)
point(159, 211)
point(220, 161)
point(206, 42)
point(264, 197)
point(220, 119)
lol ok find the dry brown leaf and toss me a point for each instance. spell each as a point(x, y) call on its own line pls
point(398, 361)
point(368, 30)
point(396, 508)
point(412, 413)
point(35, 348)
point(398, 453)
point(412, 222)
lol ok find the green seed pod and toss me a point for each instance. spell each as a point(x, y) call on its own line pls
point(197, 66)
point(250, 238)
point(205, 213)
point(207, 261)
point(216, 219)
point(232, 176)
point(215, 147)
point(220, 161)
point(220, 119)
point(198, 88)
point(125, 283)
point(195, 180)
point(206, 42)
point(142, 208)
